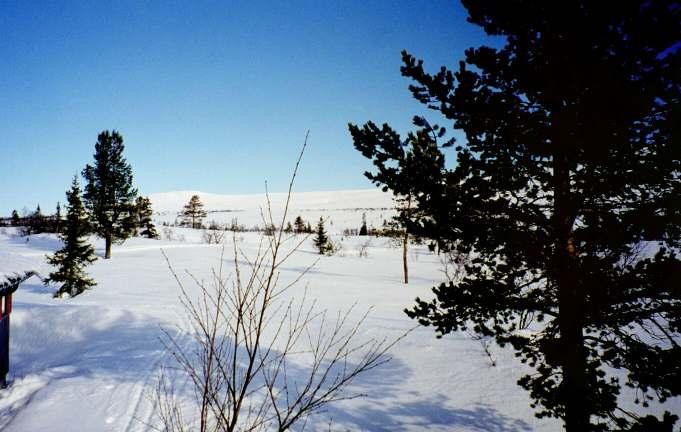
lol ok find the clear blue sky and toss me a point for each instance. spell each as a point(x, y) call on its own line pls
point(212, 96)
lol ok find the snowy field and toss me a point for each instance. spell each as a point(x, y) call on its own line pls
point(89, 363)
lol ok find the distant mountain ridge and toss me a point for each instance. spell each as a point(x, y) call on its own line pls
point(344, 207)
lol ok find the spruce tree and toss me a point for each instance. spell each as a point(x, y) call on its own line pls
point(109, 195)
point(16, 220)
point(299, 225)
point(76, 253)
point(144, 222)
point(566, 193)
point(38, 221)
point(57, 218)
point(321, 240)
point(35, 223)
point(363, 229)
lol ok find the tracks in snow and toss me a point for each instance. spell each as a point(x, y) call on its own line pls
point(142, 414)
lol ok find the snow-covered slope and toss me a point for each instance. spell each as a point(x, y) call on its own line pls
point(343, 209)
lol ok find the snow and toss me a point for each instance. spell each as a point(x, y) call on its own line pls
point(89, 363)
point(341, 209)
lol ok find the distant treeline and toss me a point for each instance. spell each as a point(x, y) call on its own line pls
point(34, 224)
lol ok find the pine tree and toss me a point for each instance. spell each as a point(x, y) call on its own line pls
point(193, 212)
point(289, 228)
point(76, 253)
point(321, 240)
point(570, 166)
point(109, 195)
point(144, 222)
point(16, 220)
point(299, 225)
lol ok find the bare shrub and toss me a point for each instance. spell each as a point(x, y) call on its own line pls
point(234, 226)
point(214, 225)
point(168, 233)
point(350, 232)
point(363, 250)
point(257, 361)
point(212, 236)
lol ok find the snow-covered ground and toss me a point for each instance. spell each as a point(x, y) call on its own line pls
point(89, 363)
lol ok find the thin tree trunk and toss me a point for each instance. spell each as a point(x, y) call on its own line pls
point(574, 364)
point(405, 244)
point(107, 251)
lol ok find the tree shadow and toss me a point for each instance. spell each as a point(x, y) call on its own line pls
point(92, 339)
point(381, 401)
point(65, 341)
point(385, 409)
point(59, 343)
point(34, 286)
point(428, 413)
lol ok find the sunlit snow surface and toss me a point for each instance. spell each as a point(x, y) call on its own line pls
point(341, 209)
point(89, 363)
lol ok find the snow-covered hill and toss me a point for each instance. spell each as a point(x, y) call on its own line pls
point(343, 209)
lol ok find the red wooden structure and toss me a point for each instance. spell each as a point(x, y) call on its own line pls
point(7, 288)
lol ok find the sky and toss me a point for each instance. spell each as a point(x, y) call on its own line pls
point(214, 96)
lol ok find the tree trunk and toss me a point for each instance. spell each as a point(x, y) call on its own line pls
point(570, 297)
point(107, 250)
point(405, 243)
point(574, 363)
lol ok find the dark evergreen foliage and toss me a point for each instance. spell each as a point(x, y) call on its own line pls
point(299, 225)
point(76, 253)
point(144, 222)
point(109, 195)
point(321, 239)
point(567, 191)
point(16, 220)
point(193, 212)
point(57, 219)
point(35, 223)
point(363, 229)
point(269, 229)
point(38, 221)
